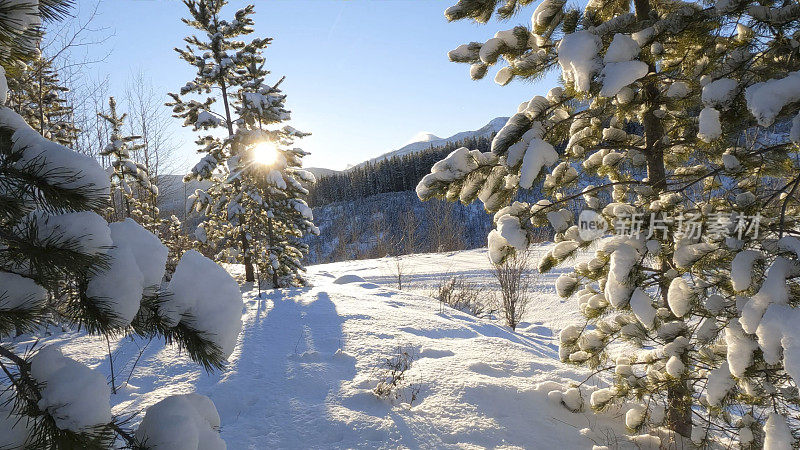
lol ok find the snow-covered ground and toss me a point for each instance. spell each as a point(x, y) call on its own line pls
point(305, 366)
point(422, 274)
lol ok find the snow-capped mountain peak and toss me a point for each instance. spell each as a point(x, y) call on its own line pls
point(423, 136)
point(424, 141)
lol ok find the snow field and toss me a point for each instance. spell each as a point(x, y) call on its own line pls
point(304, 368)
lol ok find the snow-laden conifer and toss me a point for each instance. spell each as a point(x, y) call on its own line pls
point(133, 193)
point(62, 261)
point(688, 112)
point(255, 212)
point(217, 53)
point(37, 94)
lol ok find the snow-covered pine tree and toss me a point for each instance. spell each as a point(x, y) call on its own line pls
point(62, 260)
point(178, 242)
point(37, 94)
point(273, 208)
point(689, 112)
point(133, 193)
point(217, 57)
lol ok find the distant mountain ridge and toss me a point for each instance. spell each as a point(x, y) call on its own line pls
point(427, 140)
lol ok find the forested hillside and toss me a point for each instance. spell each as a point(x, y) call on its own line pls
point(393, 174)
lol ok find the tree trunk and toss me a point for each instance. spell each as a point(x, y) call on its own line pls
point(679, 402)
point(271, 235)
point(249, 273)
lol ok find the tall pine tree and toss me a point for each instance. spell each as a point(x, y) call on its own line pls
point(37, 94)
point(217, 58)
point(273, 180)
point(688, 111)
point(253, 210)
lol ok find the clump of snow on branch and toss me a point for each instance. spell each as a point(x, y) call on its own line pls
point(203, 296)
point(83, 231)
point(76, 397)
point(18, 292)
point(578, 57)
point(766, 99)
point(56, 164)
point(147, 249)
point(181, 422)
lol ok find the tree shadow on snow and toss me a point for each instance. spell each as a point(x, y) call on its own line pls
point(277, 394)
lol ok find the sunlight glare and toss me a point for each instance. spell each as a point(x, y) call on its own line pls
point(265, 153)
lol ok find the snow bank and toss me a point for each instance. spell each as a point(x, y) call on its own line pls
point(347, 279)
point(75, 396)
point(206, 298)
point(181, 422)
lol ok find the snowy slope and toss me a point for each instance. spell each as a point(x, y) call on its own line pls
point(307, 360)
point(423, 273)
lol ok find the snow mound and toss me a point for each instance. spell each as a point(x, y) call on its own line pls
point(347, 279)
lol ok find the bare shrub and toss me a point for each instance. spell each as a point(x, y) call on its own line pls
point(393, 383)
point(398, 268)
point(458, 293)
point(515, 279)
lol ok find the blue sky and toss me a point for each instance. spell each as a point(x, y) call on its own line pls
point(363, 76)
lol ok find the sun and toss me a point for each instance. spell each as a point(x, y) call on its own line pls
point(265, 153)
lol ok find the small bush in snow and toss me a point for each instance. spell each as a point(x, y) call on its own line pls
point(458, 293)
point(514, 277)
point(393, 384)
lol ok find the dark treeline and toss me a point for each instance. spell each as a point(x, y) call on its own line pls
point(394, 174)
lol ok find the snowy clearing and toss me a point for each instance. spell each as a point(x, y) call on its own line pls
point(305, 366)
